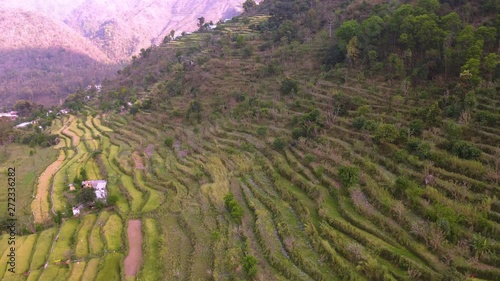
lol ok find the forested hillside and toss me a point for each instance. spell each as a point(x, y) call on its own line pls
point(303, 140)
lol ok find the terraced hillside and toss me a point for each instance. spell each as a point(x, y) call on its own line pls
point(246, 157)
point(92, 246)
point(331, 180)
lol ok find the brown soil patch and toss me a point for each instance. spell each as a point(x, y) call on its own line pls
point(138, 161)
point(40, 205)
point(134, 259)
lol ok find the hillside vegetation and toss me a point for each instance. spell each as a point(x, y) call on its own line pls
point(304, 140)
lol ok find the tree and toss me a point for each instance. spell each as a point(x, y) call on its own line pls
point(373, 26)
point(289, 86)
point(490, 64)
point(279, 143)
point(234, 208)
point(472, 66)
point(451, 22)
point(430, 6)
point(248, 4)
point(348, 30)
point(86, 196)
point(83, 174)
point(169, 141)
point(194, 110)
point(334, 55)
point(348, 175)
point(465, 150)
point(352, 50)
point(386, 133)
point(201, 23)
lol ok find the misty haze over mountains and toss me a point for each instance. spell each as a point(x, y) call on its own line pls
point(49, 49)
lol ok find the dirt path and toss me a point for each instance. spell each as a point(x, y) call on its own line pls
point(40, 206)
point(134, 259)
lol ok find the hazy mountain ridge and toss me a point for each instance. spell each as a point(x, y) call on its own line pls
point(121, 28)
point(108, 32)
point(24, 29)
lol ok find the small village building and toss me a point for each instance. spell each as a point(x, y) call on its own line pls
point(11, 115)
point(23, 125)
point(71, 187)
point(77, 210)
point(99, 187)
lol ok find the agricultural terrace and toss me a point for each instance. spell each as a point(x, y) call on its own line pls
point(255, 163)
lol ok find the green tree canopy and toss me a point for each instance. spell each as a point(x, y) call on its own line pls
point(86, 196)
point(347, 30)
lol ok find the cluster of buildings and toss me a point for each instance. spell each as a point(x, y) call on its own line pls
point(99, 187)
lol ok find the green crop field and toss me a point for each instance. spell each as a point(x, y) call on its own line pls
point(111, 268)
point(65, 240)
point(43, 245)
point(77, 270)
point(82, 246)
point(91, 269)
point(112, 232)
point(152, 268)
point(27, 169)
point(96, 244)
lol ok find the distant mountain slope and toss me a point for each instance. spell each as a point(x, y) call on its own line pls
point(121, 28)
point(43, 60)
point(101, 31)
point(24, 29)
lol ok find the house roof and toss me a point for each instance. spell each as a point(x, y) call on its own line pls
point(99, 186)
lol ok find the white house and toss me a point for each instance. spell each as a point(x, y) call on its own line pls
point(99, 187)
point(23, 125)
point(11, 115)
point(76, 210)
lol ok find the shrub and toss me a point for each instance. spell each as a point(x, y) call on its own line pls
point(169, 141)
point(234, 208)
point(453, 131)
point(343, 103)
point(486, 118)
point(419, 147)
point(298, 132)
point(404, 185)
point(386, 133)
point(416, 127)
point(348, 175)
point(262, 131)
point(289, 86)
point(359, 122)
point(465, 150)
point(279, 143)
point(58, 218)
point(247, 51)
point(308, 158)
point(249, 265)
point(112, 199)
point(363, 110)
